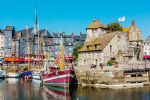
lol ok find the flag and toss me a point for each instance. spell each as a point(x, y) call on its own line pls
point(62, 56)
point(57, 61)
point(122, 19)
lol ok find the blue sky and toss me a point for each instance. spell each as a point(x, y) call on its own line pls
point(74, 15)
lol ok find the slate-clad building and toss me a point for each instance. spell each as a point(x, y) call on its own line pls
point(9, 33)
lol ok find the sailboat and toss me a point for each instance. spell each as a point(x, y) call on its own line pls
point(13, 71)
point(36, 73)
point(61, 75)
point(27, 74)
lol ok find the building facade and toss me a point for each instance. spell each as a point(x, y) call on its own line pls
point(104, 48)
point(9, 33)
point(146, 48)
point(95, 29)
point(101, 45)
point(2, 53)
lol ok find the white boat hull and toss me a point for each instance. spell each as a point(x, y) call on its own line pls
point(36, 77)
point(14, 75)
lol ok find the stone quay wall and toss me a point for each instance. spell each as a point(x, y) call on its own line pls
point(92, 77)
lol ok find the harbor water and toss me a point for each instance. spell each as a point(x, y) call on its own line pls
point(17, 89)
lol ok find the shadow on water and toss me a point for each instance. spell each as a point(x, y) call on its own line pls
point(142, 93)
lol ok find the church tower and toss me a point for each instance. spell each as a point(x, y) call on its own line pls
point(135, 41)
point(134, 35)
point(36, 24)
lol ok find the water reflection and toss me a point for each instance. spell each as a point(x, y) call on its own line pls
point(111, 94)
point(17, 89)
point(56, 93)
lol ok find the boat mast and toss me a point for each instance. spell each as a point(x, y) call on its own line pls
point(38, 47)
point(28, 48)
point(42, 52)
point(14, 52)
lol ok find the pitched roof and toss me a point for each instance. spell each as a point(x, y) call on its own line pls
point(24, 32)
point(1, 31)
point(133, 26)
point(9, 28)
point(45, 31)
point(95, 24)
point(100, 42)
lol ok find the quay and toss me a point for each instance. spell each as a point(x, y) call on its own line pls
point(123, 76)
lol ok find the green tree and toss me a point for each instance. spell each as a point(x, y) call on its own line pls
point(75, 52)
point(114, 27)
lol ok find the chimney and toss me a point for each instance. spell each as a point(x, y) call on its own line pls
point(133, 23)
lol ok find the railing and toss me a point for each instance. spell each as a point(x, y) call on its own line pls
point(136, 68)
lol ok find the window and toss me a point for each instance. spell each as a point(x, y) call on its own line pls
point(110, 48)
point(95, 46)
point(69, 43)
point(56, 41)
point(70, 49)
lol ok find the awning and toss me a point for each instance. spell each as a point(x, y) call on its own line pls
point(12, 59)
point(146, 57)
point(20, 59)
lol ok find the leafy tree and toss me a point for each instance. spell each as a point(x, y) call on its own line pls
point(114, 27)
point(75, 52)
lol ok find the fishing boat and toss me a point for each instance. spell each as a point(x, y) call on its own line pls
point(27, 75)
point(13, 73)
point(61, 74)
point(36, 74)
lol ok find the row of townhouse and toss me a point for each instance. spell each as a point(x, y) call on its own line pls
point(27, 41)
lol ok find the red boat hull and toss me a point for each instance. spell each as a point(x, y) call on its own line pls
point(61, 79)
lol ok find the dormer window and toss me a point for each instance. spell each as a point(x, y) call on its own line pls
point(95, 46)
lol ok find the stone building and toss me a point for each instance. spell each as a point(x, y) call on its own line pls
point(95, 29)
point(135, 41)
point(103, 48)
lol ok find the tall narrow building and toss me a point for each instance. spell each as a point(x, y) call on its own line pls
point(134, 34)
point(135, 41)
point(95, 29)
